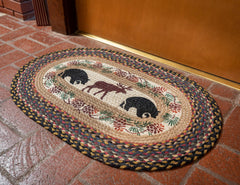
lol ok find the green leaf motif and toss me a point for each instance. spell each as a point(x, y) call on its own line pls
point(64, 96)
point(169, 97)
point(173, 122)
point(168, 119)
point(71, 94)
point(48, 83)
point(140, 85)
point(142, 125)
point(105, 70)
point(134, 130)
point(106, 116)
point(60, 67)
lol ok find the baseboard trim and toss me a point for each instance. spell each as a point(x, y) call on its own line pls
point(167, 62)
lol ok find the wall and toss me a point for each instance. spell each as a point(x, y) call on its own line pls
point(19, 8)
point(201, 34)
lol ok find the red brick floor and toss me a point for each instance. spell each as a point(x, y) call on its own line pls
point(31, 155)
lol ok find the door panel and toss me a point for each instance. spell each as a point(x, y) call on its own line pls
point(200, 34)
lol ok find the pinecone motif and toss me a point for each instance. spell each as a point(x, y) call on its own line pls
point(120, 73)
point(132, 78)
point(175, 107)
point(119, 124)
point(50, 75)
point(159, 90)
point(97, 65)
point(77, 104)
point(155, 128)
point(56, 89)
point(75, 62)
point(89, 109)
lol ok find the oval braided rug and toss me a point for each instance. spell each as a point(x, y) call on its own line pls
point(118, 109)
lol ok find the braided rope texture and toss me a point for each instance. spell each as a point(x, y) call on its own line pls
point(194, 142)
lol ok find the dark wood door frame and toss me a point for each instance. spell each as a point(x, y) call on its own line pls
point(62, 16)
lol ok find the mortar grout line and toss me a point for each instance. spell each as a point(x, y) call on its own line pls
point(188, 174)
point(210, 86)
point(14, 130)
point(12, 41)
point(11, 29)
point(225, 119)
point(229, 113)
point(35, 166)
point(16, 30)
point(224, 98)
point(17, 133)
point(9, 52)
point(7, 175)
point(17, 20)
point(18, 49)
point(217, 176)
point(12, 179)
point(229, 148)
point(237, 100)
point(4, 86)
point(80, 173)
point(149, 178)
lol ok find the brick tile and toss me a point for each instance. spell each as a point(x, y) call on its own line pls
point(6, 11)
point(30, 22)
point(168, 177)
point(4, 94)
point(23, 156)
point(5, 48)
point(19, 7)
point(59, 169)
point(103, 174)
point(17, 33)
point(7, 138)
point(224, 105)
point(224, 163)
point(45, 38)
point(6, 75)
point(200, 177)
point(201, 81)
point(231, 130)
point(3, 30)
point(24, 61)
point(24, 16)
point(43, 28)
point(28, 45)
point(77, 182)
point(17, 119)
point(21, 0)
point(11, 57)
point(60, 46)
point(224, 91)
point(4, 181)
point(86, 42)
point(9, 22)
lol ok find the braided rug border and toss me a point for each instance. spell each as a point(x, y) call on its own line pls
point(103, 141)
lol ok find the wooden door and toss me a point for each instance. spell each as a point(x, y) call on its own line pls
point(201, 34)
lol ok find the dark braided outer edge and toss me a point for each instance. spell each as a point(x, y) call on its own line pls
point(131, 165)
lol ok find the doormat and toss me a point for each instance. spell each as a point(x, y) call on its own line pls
point(118, 109)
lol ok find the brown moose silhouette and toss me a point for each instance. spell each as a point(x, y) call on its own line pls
point(107, 87)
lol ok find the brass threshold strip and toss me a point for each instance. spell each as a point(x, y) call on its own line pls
point(167, 62)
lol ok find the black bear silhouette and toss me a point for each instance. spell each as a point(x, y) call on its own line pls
point(77, 75)
point(144, 106)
